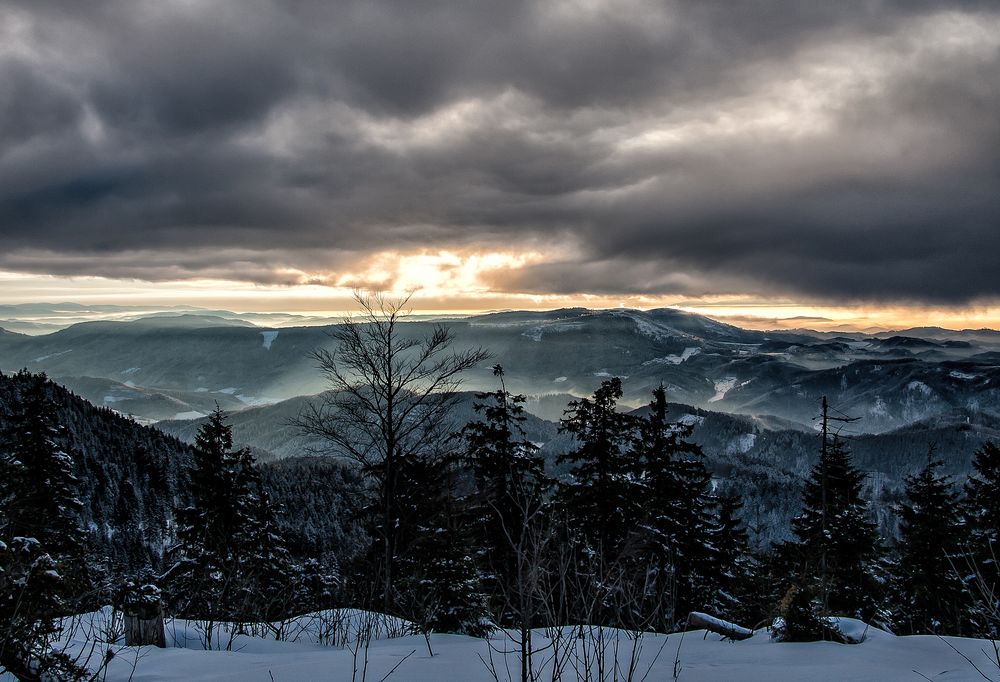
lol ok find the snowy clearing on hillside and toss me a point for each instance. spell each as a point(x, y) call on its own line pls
point(722, 387)
point(687, 354)
point(691, 420)
point(42, 358)
point(742, 444)
point(254, 401)
point(323, 646)
point(269, 338)
point(190, 414)
point(652, 329)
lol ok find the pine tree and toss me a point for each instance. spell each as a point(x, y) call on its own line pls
point(928, 594)
point(509, 481)
point(735, 567)
point(678, 522)
point(42, 566)
point(229, 550)
point(39, 487)
point(983, 520)
point(839, 544)
point(603, 498)
point(440, 584)
point(272, 581)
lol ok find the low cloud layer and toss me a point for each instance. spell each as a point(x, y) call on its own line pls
point(838, 151)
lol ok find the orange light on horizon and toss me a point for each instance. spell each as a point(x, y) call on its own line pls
point(453, 282)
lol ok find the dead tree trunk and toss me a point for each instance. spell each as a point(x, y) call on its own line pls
point(703, 621)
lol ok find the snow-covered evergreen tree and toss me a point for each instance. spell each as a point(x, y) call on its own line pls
point(677, 522)
point(39, 489)
point(509, 481)
point(231, 562)
point(735, 568)
point(603, 497)
point(838, 544)
point(42, 565)
point(983, 520)
point(928, 594)
point(440, 583)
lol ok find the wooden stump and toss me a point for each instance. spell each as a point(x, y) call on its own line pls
point(144, 625)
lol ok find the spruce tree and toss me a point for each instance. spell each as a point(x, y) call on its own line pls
point(272, 581)
point(678, 523)
point(229, 550)
point(42, 566)
point(983, 520)
point(928, 594)
point(601, 507)
point(439, 581)
point(509, 481)
point(39, 488)
point(734, 571)
point(837, 541)
point(602, 499)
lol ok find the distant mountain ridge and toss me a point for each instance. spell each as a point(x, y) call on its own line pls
point(178, 366)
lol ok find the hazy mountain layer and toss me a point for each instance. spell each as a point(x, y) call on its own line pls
point(178, 366)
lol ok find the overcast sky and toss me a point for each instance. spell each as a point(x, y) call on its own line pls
point(821, 152)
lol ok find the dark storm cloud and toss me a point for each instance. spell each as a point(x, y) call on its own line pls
point(841, 150)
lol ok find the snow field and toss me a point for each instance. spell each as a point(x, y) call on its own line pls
point(324, 646)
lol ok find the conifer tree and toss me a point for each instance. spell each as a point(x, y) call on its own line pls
point(678, 522)
point(982, 492)
point(272, 581)
point(42, 564)
point(39, 488)
point(603, 497)
point(601, 509)
point(839, 544)
point(509, 480)
point(228, 546)
point(733, 577)
point(440, 584)
point(929, 595)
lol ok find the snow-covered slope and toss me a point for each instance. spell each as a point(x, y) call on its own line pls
point(701, 656)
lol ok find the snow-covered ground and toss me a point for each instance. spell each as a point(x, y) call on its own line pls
point(319, 653)
point(269, 337)
point(722, 387)
point(190, 414)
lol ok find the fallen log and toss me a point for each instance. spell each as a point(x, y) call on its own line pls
point(703, 621)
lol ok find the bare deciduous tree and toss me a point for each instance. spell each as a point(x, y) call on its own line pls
point(389, 394)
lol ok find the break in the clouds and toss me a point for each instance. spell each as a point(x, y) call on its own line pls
point(824, 150)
